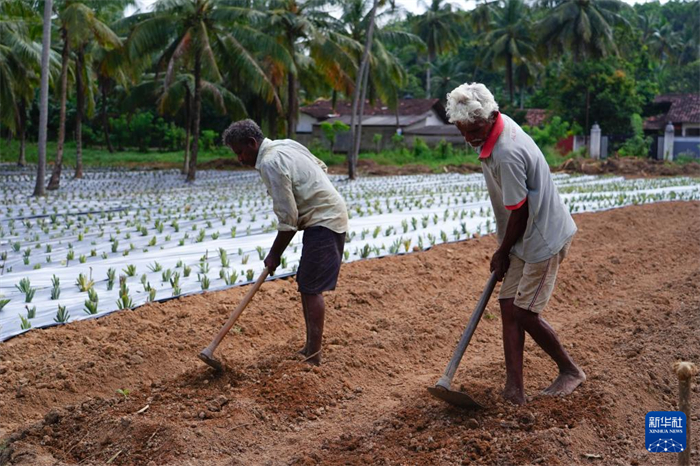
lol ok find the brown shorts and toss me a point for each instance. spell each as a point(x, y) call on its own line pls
point(532, 284)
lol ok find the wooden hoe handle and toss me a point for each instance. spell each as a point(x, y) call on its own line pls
point(209, 351)
point(446, 380)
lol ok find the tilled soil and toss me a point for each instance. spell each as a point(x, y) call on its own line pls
point(627, 306)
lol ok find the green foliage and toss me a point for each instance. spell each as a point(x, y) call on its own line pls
point(444, 150)
point(397, 140)
point(611, 89)
point(142, 129)
point(120, 131)
point(174, 137)
point(420, 148)
point(62, 315)
point(551, 132)
point(207, 139)
point(637, 145)
point(332, 130)
point(25, 324)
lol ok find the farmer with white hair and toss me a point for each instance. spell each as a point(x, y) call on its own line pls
point(534, 230)
point(303, 198)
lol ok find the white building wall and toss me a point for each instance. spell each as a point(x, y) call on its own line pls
point(306, 123)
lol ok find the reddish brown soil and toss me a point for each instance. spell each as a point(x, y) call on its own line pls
point(627, 306)
point(631, 166)
point(628, 166)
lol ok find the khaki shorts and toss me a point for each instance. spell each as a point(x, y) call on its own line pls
point(532, 284)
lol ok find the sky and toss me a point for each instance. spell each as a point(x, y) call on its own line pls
point(414, 6)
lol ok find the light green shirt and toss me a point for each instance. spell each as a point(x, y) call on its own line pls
point(302, 194)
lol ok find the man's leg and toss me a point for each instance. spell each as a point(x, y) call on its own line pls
point(570, 375)
point(305, 350)
point(513, 343)
point(315, 311)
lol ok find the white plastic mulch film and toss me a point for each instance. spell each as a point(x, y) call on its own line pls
point(159, 237)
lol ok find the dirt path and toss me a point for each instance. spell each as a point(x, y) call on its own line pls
point(627, 306)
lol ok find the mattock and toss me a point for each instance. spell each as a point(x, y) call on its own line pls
point(207, 354)
point(442, 388)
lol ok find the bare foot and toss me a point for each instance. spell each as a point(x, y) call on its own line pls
point(565, 383)
point(304, 351)
point(514, 395)
point(314, 359)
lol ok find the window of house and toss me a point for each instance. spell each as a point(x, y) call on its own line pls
point(692, 131)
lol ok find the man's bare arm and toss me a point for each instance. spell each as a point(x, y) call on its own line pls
point(282, 240)
point(517, 224)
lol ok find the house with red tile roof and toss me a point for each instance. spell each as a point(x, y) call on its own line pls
point(412, 115)
point(681, 110)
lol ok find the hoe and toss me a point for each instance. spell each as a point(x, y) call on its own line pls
point(442, 388)
point(207, 354)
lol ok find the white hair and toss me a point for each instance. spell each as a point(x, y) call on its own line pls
point(469, 103)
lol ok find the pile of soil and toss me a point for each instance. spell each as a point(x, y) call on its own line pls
point(628, 166)
point(632, 166)
point(627, 306)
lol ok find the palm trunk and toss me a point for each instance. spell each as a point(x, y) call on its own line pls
point(292, 98)
point(272, 122)
point(43, 101)
point(55, 180)
point(197, 112)
point(80, 104)
point(188, 130)
point(428, 74)
point(105, 121)
point(21, 127)
point(358, 89)
point(509, 76)
point(427, 81)
point(358, 140)
point(292, 105)
point(522, 97)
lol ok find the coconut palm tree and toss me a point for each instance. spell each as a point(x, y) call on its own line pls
point(44, 99)
point(387, 74)
point(79, 26)
point(20, 64)
point(307, 30)
point(211, 39)
point(666, 43)
point(509, 40)
point(583, 26)
point(438, 27)
point(448, 73)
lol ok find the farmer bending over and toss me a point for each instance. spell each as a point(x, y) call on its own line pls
point(303, 198)
point(534, 230)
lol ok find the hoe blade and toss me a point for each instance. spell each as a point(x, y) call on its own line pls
point(453, 397)
point(214, 363)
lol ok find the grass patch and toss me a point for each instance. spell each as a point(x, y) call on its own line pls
point(98, 157)
point(435, 158)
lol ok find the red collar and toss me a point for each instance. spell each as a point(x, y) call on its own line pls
point(496, 131)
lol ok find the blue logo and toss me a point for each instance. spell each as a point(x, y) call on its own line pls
point(665, 431)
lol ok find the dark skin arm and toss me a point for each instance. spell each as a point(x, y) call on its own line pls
point(517, 223)
point(272, 261)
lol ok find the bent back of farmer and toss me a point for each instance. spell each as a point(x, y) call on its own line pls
point(303, 198)
point(534, 227)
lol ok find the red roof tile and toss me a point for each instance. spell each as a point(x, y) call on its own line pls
point(684, 108)
point(536, 116)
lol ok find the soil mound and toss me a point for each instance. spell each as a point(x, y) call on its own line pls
point(627, 306)
point(632, 166)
